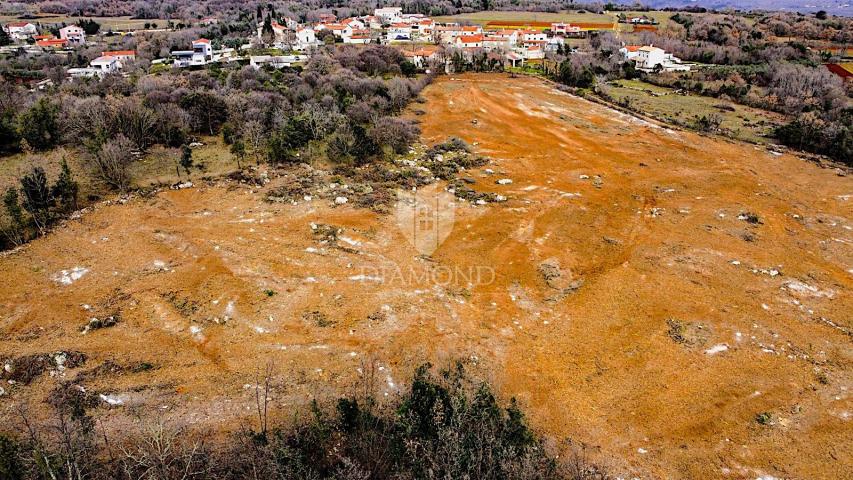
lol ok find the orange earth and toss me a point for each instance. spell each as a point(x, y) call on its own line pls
point(634, 308)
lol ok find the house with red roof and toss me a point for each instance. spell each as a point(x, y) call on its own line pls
point(469, 41)
point(447, 34)
point(357, 36)
point(52, 43)
point(336, 28)
point(422, 56)
point(21, 30)
point(122, 55)
point(354, 23)
point(201, 54)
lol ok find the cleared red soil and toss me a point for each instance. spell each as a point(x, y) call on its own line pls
point(765, 308)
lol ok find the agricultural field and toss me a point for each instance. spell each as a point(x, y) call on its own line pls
point(483, 18)
point(738, 121)
point(628, 267)
point(107, 23)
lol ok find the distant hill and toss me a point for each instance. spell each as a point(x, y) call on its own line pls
point(834, 7)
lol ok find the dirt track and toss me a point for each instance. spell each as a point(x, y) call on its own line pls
point(612, 227)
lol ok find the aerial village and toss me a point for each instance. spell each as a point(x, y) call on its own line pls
point(363, 242)
point(427, 44)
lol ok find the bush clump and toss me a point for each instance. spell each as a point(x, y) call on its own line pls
point(444, 425)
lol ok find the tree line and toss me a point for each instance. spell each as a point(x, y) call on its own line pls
point(445, 425)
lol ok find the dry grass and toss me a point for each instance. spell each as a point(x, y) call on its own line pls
point(107, 23)
point(741, 122)
point(157, 167)
point(484, 17)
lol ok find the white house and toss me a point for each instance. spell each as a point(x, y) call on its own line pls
point(510, 37)
point(99, 67)
point(399, 31)
point(533, 52)
point(651, 58)
point(275, 61)
point(357, 36)
point(354, 23)
point(73, 34)
point(554, 43)
point(305, 39)
point(533, 36)
point(530, 38)
point(201, 54)
point(422, 29)
point(21, 30)
point(106, 65)
point(641, 21)
point(423, 56)
point(388, 14)
point(497, 42)
point(630, 52)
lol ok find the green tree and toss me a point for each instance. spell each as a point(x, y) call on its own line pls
point(295, 134)
point(37, 197)
point(408, 68)
point(229, 133)
point(186, 158)
point(65, 189)
point(10, 463)
point(9, 139)
point(238, 149)
point(16, 231)
point(89, 26)
point(5, 39)
point(266, 30)
point(208, 111)
point(39, 125)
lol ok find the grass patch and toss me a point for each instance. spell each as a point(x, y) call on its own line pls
point(107, 23)
point(481, 18)
point(738, 121)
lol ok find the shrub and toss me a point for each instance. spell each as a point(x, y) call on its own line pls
point(112, 162)
point(39, 126)
point(443, 426)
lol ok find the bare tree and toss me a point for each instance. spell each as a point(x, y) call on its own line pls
point(253, 132)
point(162, 451)
point(112, 162)
point(262, 398)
